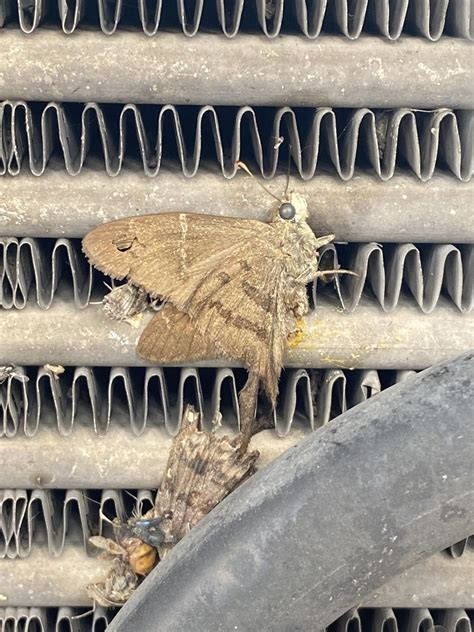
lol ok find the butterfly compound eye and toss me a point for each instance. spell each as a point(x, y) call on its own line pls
point(287, 211)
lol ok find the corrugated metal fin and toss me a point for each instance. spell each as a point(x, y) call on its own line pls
point(319, 138)
point(275, 16)
point(376, 135)
point(139, 398)
point(357, 620)
point(33, 269)
point(30, 518)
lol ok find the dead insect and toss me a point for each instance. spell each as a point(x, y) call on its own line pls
point(132, 560)
point(11, 372)
point(55, 369)
point(148, 529)
point(202, 470)
point(140, 556)
point(233, 288)
point(124, 302)
point(118, 586)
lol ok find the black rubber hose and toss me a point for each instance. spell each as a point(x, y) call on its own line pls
point(385, 485)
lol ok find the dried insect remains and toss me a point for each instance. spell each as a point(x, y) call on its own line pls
point(202, 470)
point(125, 302)
point(10, 371)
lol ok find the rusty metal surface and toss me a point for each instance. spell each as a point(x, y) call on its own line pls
point(362, 209)
point(365, 338)
point(208, 67)
point(271, 18)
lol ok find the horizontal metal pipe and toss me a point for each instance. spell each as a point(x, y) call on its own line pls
point(366, 338)
point(49, 65)
point(118, 460)
point(364, 209)
point(41, 580)
point(391, 21)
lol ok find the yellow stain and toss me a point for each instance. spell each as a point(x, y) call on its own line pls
point(135, 321)
point(297, 336)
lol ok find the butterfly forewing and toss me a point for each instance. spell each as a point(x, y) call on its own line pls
point(156, 251)
point(232, 286)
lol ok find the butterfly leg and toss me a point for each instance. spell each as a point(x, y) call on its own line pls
point(324, 240)
point(312, 271)
point(323, 273)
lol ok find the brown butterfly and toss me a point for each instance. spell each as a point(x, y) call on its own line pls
point(233, 288)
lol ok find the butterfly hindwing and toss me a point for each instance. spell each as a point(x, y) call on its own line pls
point(171, 337)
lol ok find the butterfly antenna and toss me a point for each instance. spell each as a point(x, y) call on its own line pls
point(241, 165)
point(288, 173)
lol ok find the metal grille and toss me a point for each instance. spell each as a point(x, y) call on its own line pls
point(362, 620)
point(349, 19)
point(321, 138)
point(377, 136)
point(138, 399)
point(37, 269)
point(32, 519)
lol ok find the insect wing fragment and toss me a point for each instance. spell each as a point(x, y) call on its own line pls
point(202, 470)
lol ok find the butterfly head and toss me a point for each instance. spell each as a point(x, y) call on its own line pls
point(292, 209)
point(293, 206)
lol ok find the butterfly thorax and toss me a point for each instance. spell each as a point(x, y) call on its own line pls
point(298, 247)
